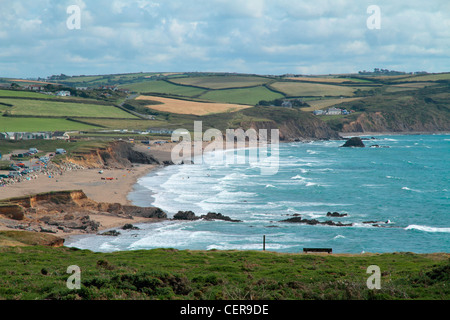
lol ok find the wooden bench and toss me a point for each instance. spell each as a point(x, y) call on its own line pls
point(328, 250)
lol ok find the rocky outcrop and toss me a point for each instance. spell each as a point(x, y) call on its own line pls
point(210, 216)
point(354, 142)
point(119, 154)
point(217, 216)
point(12, 211)
point(185, 215)
point(314, 222)
point(67, 211)
point(336, 214)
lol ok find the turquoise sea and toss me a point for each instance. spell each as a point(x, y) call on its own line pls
point(404, 186)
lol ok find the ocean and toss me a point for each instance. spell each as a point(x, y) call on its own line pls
point(396, 197)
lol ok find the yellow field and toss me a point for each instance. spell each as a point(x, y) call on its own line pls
point(325, 103)
point(191, 107)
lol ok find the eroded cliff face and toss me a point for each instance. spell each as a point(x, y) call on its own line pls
point(67, 211)
point(382, 122)
point(294, 130)
point(118, 154)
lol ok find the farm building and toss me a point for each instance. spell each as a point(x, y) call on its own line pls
point(63, 93)
point(60, 135)
point(334, 111)
point(34, 87)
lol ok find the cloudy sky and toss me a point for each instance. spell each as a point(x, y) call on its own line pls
point(247, 36)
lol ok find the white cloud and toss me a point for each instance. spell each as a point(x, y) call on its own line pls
point(258, 36)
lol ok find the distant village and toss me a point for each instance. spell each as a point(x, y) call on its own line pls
point(74, 135)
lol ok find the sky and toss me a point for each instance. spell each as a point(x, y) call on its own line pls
point(39, 38)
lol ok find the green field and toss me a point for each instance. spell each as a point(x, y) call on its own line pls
point(38, 273)
point(24, 94)
point(165, 88)
point(249, 96)
point(222, 82)
point(299, 89)
point(426, 77)
point(22, 107)
point(127, 123)
point(11, 124)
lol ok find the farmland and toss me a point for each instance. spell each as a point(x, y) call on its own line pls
point(330, 80)
point(216, 98)
point(190, 107)
point(40, 124)
point(222, 82)
point(24, 94)
point(296, 89)
point(249, 96)
point(165, 87)
point(22, 107)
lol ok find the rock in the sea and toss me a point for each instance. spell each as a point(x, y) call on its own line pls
point(185, 215)
point(129, 226)
point(315, 222)
point(113, 233)
point(336, 214)
point(355, 142)
point(218, 216)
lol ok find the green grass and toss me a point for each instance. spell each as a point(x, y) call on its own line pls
point(11, 124)
point(222, 82)
point(127, 123)
point(164, 88)
point(249, 96)
point(24, 94)
point(299, 89)
point(44, 108)
point(426, 77)
point(29, 273)
point(50, 145)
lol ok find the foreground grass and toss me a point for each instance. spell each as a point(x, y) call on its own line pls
point(40, 273)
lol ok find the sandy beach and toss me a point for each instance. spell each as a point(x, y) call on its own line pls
point(111, 185)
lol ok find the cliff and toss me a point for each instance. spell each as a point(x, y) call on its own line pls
point(425, 110)
point(66, 211)
point(391, 122)
point(118, 154)
point(293, 124)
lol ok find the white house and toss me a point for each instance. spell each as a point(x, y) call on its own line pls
point(334, 111)
point(63, 93)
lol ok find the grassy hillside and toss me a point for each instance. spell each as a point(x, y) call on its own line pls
point(11, 124)
point(165, 87)
point(222, 82)
point(425, 109)
point(249, 96)
point(40, 273)
point(43, 108)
